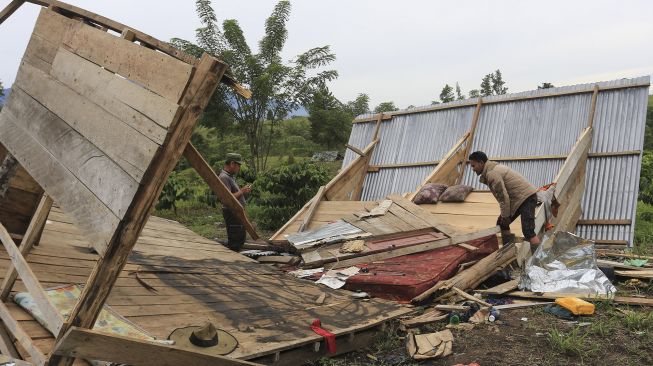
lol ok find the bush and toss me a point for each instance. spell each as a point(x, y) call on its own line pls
point(644, 227)
point(174, 190)
point(284, 190)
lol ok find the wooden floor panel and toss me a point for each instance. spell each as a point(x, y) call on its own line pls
point(195, 279)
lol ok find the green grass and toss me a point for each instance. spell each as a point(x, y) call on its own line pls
point(572, 343)
point(202, 219)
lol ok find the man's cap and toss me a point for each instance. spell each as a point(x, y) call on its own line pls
point(237, 158)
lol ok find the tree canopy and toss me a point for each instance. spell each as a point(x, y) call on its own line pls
point(446, 95)
point(277, 87)
point(385, 107)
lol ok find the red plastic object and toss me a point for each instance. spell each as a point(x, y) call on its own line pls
point(329, 337)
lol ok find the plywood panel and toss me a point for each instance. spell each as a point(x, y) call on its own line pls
point(154, 70)
point(97, 221)
point(142, 109)
point(126, 146)
point(97, 172)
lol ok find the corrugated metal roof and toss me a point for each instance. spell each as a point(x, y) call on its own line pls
point(536, 125)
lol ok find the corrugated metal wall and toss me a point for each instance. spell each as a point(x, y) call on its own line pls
point(535, 126)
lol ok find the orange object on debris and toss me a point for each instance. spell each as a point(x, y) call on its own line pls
point(576, 305)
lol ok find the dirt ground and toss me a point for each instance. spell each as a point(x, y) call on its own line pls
point(614, 335)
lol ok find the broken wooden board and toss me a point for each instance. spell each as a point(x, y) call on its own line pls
point(625, 300)
point(428, 317)
point(645, 274)
point(500, 289)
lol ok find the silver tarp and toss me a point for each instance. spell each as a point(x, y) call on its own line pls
point(329, 233)
point(565, 263)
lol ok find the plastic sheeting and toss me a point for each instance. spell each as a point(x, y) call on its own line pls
point(565, 263)
point(329, 233)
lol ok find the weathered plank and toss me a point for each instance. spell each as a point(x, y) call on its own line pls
point(91, 215)
point(101, 175)
point(225, 196)
point(47, 37)
point(10, 9)
point(33, 232)
point(315, 202)
point(97, 289)
point(129, 148)
point(50, 314)
point(156, 71)
point(92, 345)
point(143, 110)
point(424, 215)
point(21, 336)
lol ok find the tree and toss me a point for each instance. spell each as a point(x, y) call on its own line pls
point(360, 105)
point(330, 121)
point(486, 85)
point(498, 84)
point(545, 86)
point(474, 93)
point(646, 178)
point(446, 95)
point(2, 90)
point(385, 107)
point(459, 94)
point(277, 87)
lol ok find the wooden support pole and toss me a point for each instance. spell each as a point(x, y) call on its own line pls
point(205, 80)
point(311, 210)
point(92, 345)
point(33, 232)
point(595, 94)
point(51, 315)
point(225, 196)
point(21, 336)
point(10, 9)
point(470, 139)
point(355, 149)
point(7, 346)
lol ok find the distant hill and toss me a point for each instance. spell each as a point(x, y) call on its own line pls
point(6, 93)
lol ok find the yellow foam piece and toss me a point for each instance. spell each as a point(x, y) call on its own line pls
point(576, 305)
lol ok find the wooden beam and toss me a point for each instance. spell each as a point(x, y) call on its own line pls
point(440, 173)
point(604, 222)
point(21, 336)
point(105, 273)
point(376, 167)
point(626, 300)
point(595, 93)
point(225, 196)
point(505, 99)
point(31, 235)
point(7, 346)
point(426, 216)
point(51, 315)
point(92, 345)
point(10, 9)
point(348, 179)
point(578, 152)
point(311, 210)
point(470, 139)
point(355, 149)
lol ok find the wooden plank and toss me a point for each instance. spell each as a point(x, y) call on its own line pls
point(349, 178)
point(101, 175)
point(225, 196)
point(424, 215)
point(626, 300)
point(355, 149)
point(97, 288)
point(500, 289)
point(441, 172)
point(615, 264)
point(97, 221)
point(315, 202)
point(623, 255)
point(416, 248)
point(47, 37)
point(92, 345)
point(130, 149)
point(143, 110)
point(406, 216)
point(470, 297)
point(604, 222)
point(33, 232)
point(7, 346)
point(156, 71)
point(470, 139)
point(10, 9)
point(21, 336)
point(578, 152)
point(50, 314)
point(595, 94)
point(635, 274)
point(505, 99)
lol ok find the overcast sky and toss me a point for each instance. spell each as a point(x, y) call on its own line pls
point(405, 51)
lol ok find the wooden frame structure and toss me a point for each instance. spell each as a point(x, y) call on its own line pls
point(100, 121)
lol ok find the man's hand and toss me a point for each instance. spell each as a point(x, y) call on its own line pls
point(504, 221)
point(246, 189)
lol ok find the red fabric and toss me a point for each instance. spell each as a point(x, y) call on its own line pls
point(403, 278)
point(329, 337)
